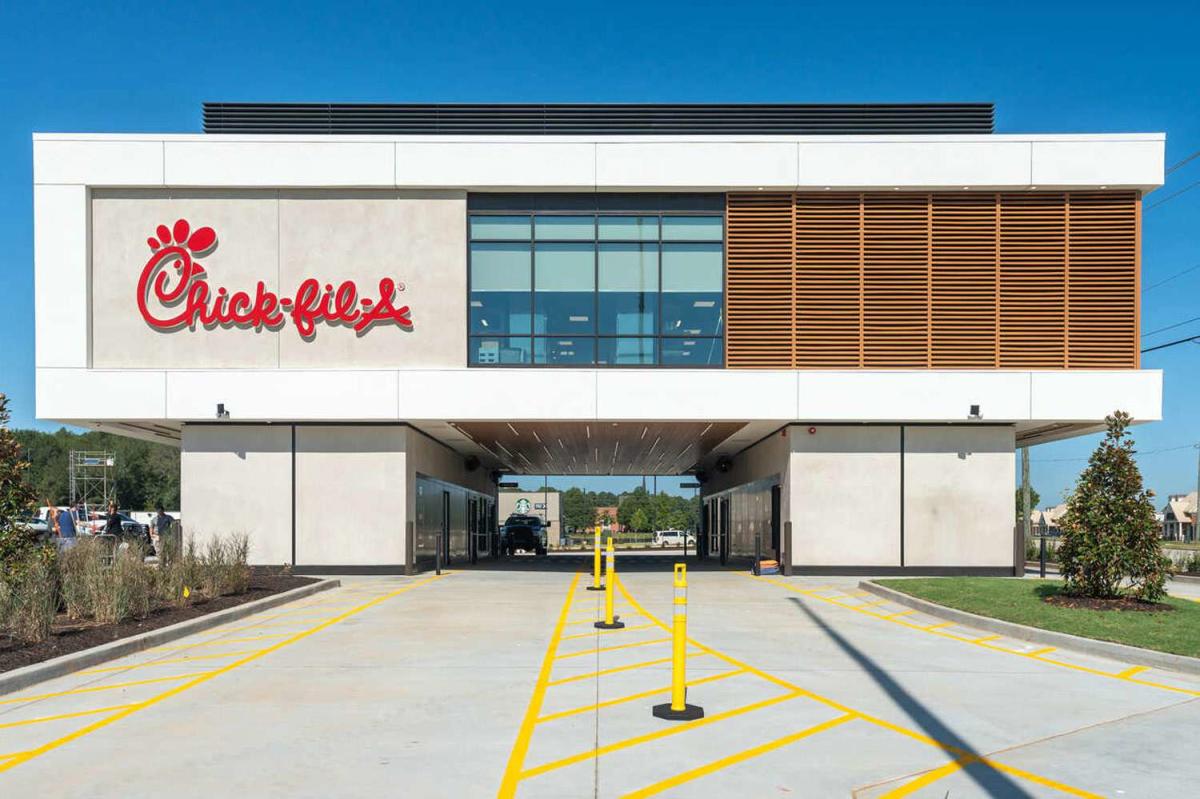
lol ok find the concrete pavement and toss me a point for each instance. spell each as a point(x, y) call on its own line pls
point(492, 681)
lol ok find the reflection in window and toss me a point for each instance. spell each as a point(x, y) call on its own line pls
point(691, 290)
point(626, 352)
point(608, 289)
point(573, 351)
point(564, 299)
point(500, 351)
point(499, 301)
point(628, 296)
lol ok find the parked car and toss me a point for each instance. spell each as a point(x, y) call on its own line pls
point(523, 534)
point(673, 538)
point(33, 524)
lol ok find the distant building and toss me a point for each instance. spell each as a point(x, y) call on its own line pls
point(546, 505)
point(609, 513)
point(1046, 521)
point(1179, 517)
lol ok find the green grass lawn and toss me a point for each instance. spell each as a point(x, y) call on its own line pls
point(1020, 601)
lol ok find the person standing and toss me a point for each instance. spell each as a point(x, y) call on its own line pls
point(112, 523)
point(63, 526)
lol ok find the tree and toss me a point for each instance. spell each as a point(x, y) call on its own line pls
point(16, 495)
point(579, 509)
point(640, 521)
point(631, 503)
point(1109, 532)
point(1034, 499)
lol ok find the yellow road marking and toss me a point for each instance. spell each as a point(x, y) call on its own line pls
point(925, 779)
point(508, 784)
point(617, 669)
point(665, 732)
point(60, 716)
point(30, 754)
point(1132, 670)
point(167, 661)
point(591, 633)
point(985, 639)
point(10, 754)
point(951, 748)
point(734, 759)
point(632, 697)
point(983, 643)
point(221, 642)
point(1044, 650)
point(598, 650)
point(940, 626)
point(299, 621)
point(94, 689)
point(873, 604)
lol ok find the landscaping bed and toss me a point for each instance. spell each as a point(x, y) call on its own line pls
point(68, 636)
point(1041, 603)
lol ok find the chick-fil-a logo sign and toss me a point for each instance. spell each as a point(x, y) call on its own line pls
point(173, 292)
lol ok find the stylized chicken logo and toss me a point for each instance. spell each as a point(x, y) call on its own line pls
point(179, 246)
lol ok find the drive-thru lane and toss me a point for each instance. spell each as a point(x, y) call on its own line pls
point(493, 680)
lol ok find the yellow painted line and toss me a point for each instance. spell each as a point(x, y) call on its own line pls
point(873, 604)
point(598, 650)
point(97, 688)
point(985, 639)
point(167, 661)
point(24, 757)
point(10, 754)
point(724, 675)
point(60, 716)
point(951, 748)
point(604, 632)
point(925, 779)
point(1044, 650)
point(893, 618)
point(734, 759)
point(222, 642)
point(618, 669)
point(299, 621)
point(516, 759)
point(1132, 670)
point(665, 732)
point(940, 626)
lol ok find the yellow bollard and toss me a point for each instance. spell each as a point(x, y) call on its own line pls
point(610, 621)
point(595, 586)
point(678, 709)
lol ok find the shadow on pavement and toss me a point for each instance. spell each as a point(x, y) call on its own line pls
point(993, 782)
point(571, 562)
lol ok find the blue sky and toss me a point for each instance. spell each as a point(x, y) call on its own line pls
point(1049, 67)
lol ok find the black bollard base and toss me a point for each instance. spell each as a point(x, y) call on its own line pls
point(595, 588)
point(689, 712)
point(616, 625)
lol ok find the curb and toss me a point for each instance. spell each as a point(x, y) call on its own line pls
point(34, 673)
point(1089, 646)
point(1187, 578)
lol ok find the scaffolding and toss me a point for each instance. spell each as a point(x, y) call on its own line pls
point(93, 481)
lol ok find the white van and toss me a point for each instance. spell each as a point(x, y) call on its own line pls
point(673, 538)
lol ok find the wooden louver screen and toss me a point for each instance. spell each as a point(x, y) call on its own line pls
point(934, 280)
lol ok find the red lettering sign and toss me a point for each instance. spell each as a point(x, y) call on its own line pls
point(173, 292)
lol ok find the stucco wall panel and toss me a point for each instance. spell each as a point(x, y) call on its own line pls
point(845, 496)
point(238, 479)
point(346, 478)
point(418, 239)
point(958, 496)
point(247, 251)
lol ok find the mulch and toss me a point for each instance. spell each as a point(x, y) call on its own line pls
point(73, 636)
point(1120, 603)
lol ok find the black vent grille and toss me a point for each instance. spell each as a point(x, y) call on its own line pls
point(548, 119)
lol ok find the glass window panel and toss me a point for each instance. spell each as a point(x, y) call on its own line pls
point(628, 302)
point(565, 227)
point(576, 350)
point(692, 351)
point(500, 289)
point(564, 288)
point(692, 299)
point(500, 227)
point(492, 351)
point(636, 228)
point(625, 351)
point(692, 228)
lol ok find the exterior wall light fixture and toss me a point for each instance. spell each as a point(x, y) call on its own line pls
point(975, 414)
point(221, 412)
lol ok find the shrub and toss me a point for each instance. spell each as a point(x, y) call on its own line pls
point(30, 597)
point(1109, 532)
point(224, 565)
point(16, 497)
point(180, 572)
point(79, 569)
point(123, 590)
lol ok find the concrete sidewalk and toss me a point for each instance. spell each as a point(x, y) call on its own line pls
point(494, 681)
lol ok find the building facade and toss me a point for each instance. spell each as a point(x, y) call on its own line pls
point(373, 316)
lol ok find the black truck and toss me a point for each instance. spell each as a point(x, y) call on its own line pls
point(523, 534)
